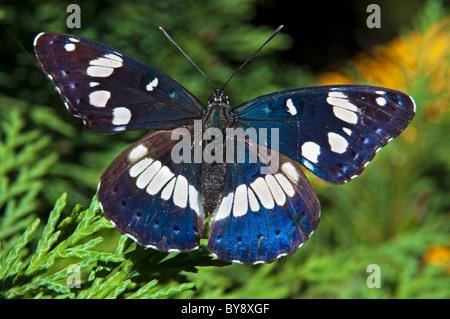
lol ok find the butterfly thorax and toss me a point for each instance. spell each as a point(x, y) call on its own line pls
point(217, 114)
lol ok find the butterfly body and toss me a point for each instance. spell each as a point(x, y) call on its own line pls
point(241, 165)
point(212, 181)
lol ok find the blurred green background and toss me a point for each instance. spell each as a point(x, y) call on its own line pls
point(395, 215)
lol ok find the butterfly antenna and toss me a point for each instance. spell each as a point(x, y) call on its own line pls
point(184, 53)
point(251, 57)
point(20, 45)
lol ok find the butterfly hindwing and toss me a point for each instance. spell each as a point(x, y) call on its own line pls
point(263, 215)
point(334, 131)
point(152, 199)
point(110, 90)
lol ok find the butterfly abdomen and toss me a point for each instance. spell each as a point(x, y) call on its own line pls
point(212, 184)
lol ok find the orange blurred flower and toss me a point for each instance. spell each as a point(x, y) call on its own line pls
point(438, 256)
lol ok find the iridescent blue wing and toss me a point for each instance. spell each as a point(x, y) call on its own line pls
point(334, 131)
point(152, 199)
point(263, 215)
point(110, 90)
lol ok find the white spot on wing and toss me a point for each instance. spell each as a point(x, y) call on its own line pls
point(180, 195)
point(99, 98)
point(224, 209)
point(291, 107)
point(261, 189)
point(146, 176)
point(160, 180)
point(99, 71)
point(414, 103)
point(240, 205)
point(347, 130)
point(254, 205)
point(37, 37)
point(69, 47)
point(119, 128)
point(104, 66)
point(108, 60)
point(114, 57)
point(285, 184)
point(337, 143)
point(281, 255)
point(308, 165)
point(121, 116)
point(341, 102)
point(167, 191)
point(276, 190)
point(340, 95)
point(345, 115)
point(152, 84)
point(381, 101)
point(342, 107)
point(311, 151)
point(290, 171)
point(137, 153)
point(135, 239)
point(194, 201)
point(73, 39)
point(148, 246)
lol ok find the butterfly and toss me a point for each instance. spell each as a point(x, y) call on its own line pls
point(257, 215)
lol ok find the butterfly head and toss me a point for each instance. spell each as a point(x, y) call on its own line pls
point(218, 96)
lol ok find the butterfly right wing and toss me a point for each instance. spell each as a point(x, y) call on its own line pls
point(152, 199)
point(110, 90)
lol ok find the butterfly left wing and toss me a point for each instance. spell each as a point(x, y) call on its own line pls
point(110, 90)
point(152, 199)
point(334, 131)
point(263, 215)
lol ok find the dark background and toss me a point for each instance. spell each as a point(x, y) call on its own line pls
point(329, 31)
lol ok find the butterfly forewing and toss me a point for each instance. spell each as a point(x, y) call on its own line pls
point(263, 215)
point(152, 199)
point(334, 131)
point(110, 90)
